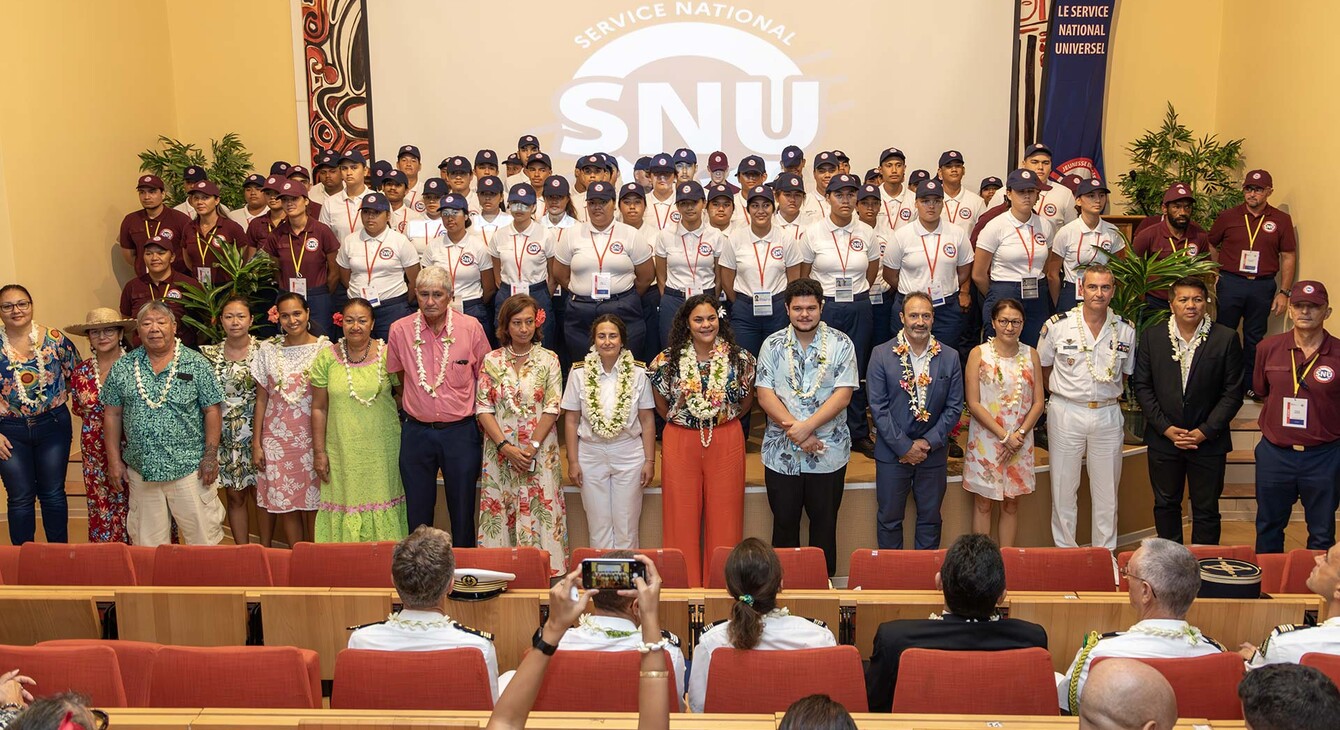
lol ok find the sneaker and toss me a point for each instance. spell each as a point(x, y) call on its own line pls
point(955, 451)
point(864, 446)
point(1254, 397)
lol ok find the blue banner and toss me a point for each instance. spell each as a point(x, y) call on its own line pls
point(1074, 84)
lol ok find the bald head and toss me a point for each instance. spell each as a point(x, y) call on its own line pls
point(1125, 694)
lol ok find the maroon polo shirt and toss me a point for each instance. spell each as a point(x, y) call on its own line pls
point(1273, 231)
point(1273, 377)
point(260, 228)
point(1160, 239)
point(313, 210)
point(304, 252)
point(137, 228)
point(141, 290)
point(985, 218)
point(201, 246)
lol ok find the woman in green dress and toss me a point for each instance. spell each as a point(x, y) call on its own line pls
point(232, 361)
point(356, 436)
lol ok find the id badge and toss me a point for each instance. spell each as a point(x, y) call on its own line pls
point(843, 289)
point(937, 291)
point(1028, 289)
point(1295, 413)
point(298, 285)
point(205, 275)
point(370, 294)
point(762, 304)
point(1250, 263)
point(877, 297)
point(600, 285)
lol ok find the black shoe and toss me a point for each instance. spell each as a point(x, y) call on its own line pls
point(1254, 397)
point(864, 446)
point(955, 451)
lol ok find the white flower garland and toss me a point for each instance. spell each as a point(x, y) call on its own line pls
point(167, 386)
point(1109, 373)
point(291, 396)
point(1187, 632)
point(1202, 332)
point(97, 376)
point(607, 427)
point(793, 371)
point(43, 377)
point(705, 403)
point(349, 371)
point(509, 388)
point(445, 622)
point(220, 359)
point(446, 340)
point(1020, 361)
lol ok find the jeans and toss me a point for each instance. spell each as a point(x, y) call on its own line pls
point(35, 472)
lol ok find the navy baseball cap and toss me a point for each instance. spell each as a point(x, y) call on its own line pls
point(489, 184)
point(599, 190)
point(254, 179)
point(410, 150)
point(486, 157)
point(689, 191)
point(435, 186)
point(841, 156)
point(825, 158)
point(660, 163)
point(717, 161)
point(991, 181)
point(788, 183)
point(522, 193)
point(628, 189)
point(843, 182)
point(1022, 179)
point(195, 173)
point(892, 152)
point(950, 157)
point(1090, 185)
point(867, 191)
point(760, 191)
point(327, 158)
point(752, 163)
point(395, 176)
point(792, 155)
point(642, 164)
point(718, 190)
point(556, 185)
point(457, 165)
point(512, 159)
point(916, 177)
point(873, 175)
point(526, 140)
point(611, 164)
point(1037, 148)
point(930, 189)
point(596, 161)
point(353, 156)
point(684, 154)
point(204, 186)
point(540, 158)
point(454, 202)
point(375, 201)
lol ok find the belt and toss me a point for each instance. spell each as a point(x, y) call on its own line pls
point(319, 289)
point(1250, 277)
point(31, 421)
point(672, 292)
point(855, 298)
point(438, 425)
point(901, 297)
point(613, 297)
point(402, 299)
point(1093, 404)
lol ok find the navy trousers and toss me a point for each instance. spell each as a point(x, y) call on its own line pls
point(582, 311)
point(1036, 311)
point(893, 483)
point(390, 310)
point(1246, 301)
point(948, 324)
point(1066, 301)
point(456, 449)
point(1285, 476)
point(540, 293)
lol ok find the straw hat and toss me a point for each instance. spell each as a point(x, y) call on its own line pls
point(100, 318)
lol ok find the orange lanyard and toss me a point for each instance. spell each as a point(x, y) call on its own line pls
point(1093, 256)
point(656, 208)
point(600, 255)
point(697, 253)
point(519, 254)
point(929, 261)
point(349, 215)
point(453, 267)
point(953, 214)
point(1042, 199)
point(891, 218)
point(841, 259)
point(767, 246)
point(370, 260)
point(1298, 379)
point(1251, 235)
point(404, 218)
point(1030, 249)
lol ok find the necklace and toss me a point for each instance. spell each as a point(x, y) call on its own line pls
point(167, 386)
point(509, 389)
point(344, 350)
point(917, 386)
point(1110, 372)
point(607, 427)
point(291, 396)
point(513, 354)
point(793, 378)
point(349, 371)
point(588, 623)
point(446, 340)
point(218, 357)
point(1020, 359)
point(1184, 359)
point(705, 401)
point(1187, 632)
point(43, 377)
point(416, 625)
point(97, 374)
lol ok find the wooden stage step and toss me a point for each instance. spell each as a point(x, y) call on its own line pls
point(1239, 491)
point(1242, 456)
point(1244, 424)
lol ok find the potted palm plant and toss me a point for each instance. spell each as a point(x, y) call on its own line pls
point(253, 279)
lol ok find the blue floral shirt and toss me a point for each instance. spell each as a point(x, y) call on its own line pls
point(779, 453)
point(60, 358)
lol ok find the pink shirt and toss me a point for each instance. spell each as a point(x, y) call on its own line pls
point(456, 395)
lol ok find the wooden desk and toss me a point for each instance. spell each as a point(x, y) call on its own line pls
point(409, 719)
point(512, 618)
point(183, 616)
point(321, 621)
point(875, 607)
point(36, 615)
point(870, 721)
point(823, 605)
point(150, 718)
point(1068, 619)
point(1228, 621)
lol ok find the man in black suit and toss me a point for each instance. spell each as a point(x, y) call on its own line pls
point(1188, 378)
point(973, 581)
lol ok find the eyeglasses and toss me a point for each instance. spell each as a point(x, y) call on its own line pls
point(22, 306)
point(1130, 576)
point(104, 332)
point(452, 212)
point(1009, 323)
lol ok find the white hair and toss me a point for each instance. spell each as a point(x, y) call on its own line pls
point(153, 306)
point(434, 277)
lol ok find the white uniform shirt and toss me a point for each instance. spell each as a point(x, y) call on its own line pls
point(813, 209)
point(422, 232)
point(465, 262)
point(317, 193)
point(186, 207)
point(377, 265)
point(578, 198)
point(342, 213)
point(1289, 643)
point(574, 399)
point(780, 632)
point(401, 218)
point(414, 198)
point(895, 211)
point(839, 251)
point(1078, 360)
point(488, 229)
point(426, 631)
point(741, 212)
point(759, 263)
point(963, 210)
point(690, 257)
point(792, 232)
point(660, 215)
point(928, 261)
point(618, 250)
point(564, 227)
point(523, 256)
point(1019, 250)
point(243, 217)
point(1079, 246)
point(1056, 205)
point(1148, 639)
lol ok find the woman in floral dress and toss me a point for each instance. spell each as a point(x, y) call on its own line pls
point(281, 444)
point(517, 404)
point(1004, 393)
point(107, 504)
point(232, 360)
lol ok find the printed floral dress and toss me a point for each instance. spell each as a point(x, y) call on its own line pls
point(288, 482)
point(238, 410)
point(522, 508)
point(107, 507)
point(1007, 392)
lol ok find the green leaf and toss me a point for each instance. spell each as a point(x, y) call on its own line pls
point(1174, 154)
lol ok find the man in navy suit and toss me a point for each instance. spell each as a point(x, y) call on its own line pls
point(916, 398)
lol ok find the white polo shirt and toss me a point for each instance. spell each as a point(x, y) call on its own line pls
point(1018, 250)
point(400, 218)
point(839, 251)
point(1079, 246)
point(617, 250)
point(759, 263)
point(963, 210)
point(794, 231)
point(928, 261)
point(1056, 204)
point(422, 232)
point(814, 209)
point(465, 262)
point(1084, 367)
point(342, 212)
point(565, 227)
point(574, 399)
point(317, 193)
point(243, 217)
point(690, 257)
point(489, 228)
point(522, 256)
point(660, 214)
point(377, 264)
point(895, 211)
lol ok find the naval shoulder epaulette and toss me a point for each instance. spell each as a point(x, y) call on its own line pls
point(477, 632)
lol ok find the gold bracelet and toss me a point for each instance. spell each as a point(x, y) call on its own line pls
point(654, 674)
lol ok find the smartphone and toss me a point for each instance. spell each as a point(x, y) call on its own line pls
point(611, 573)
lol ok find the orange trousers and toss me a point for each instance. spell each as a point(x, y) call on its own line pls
point(702, 493)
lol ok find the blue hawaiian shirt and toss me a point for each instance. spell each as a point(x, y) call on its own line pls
point(779, 453)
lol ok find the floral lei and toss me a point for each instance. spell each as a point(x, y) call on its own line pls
point(509, 389)
point(43, 377)
point(917, 386)
point(291, 396)
point(1020, 362)
point(167, 385)
point(793, 379)
point(446, 340)
point(220, 358)
point(607, 427)
point(1109, 374)
point(1202, 332)
point(349, 371)
point(705, 404)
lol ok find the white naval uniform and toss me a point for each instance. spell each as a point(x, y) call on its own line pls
point(1056, 205)
point(243, 217)
point(835, 252)
point(342, 213)
point(465, 262)
point(780, 632)
point(1083, 418)
point(611, 468)
point(427, 631)
point(963, 210)
point(1080, 246)
point(690, 257)
point(1288, 643)
point(1148, 639)
point(400, 219)
point(928, 261)
point(389, 254)
point(522, 256)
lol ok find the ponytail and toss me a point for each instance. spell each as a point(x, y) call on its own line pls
point(753, 577)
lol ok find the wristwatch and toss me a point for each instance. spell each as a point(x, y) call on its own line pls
point(535, 445)
point(503, 444)
point(545, 647)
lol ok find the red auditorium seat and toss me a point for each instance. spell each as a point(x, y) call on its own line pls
point(9, 564)
point(803, 568)
point(1329, 664)
point(89, 670)
point(1206, 686)
point(80, 564)
point(278, 559)
point(1012, 682)
point(669, 563)
point(236, 676)
point(733, 683)
point(143, 558)
point(1273, 567)
point(211, 565)
point(1237, 552)
point(393, 680)
point(1297, 567)
point(595, 681)
point(341, 565)
point(529, 565)
point(136, 659)
point(894, 570)
point(1058, 569)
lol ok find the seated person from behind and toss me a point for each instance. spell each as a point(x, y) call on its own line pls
point(973, 581)
point(1127, 694)
point(1163, 578)
point(422, 569)
point(1288, 643)
point(1289, 697)
point(753, 578)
